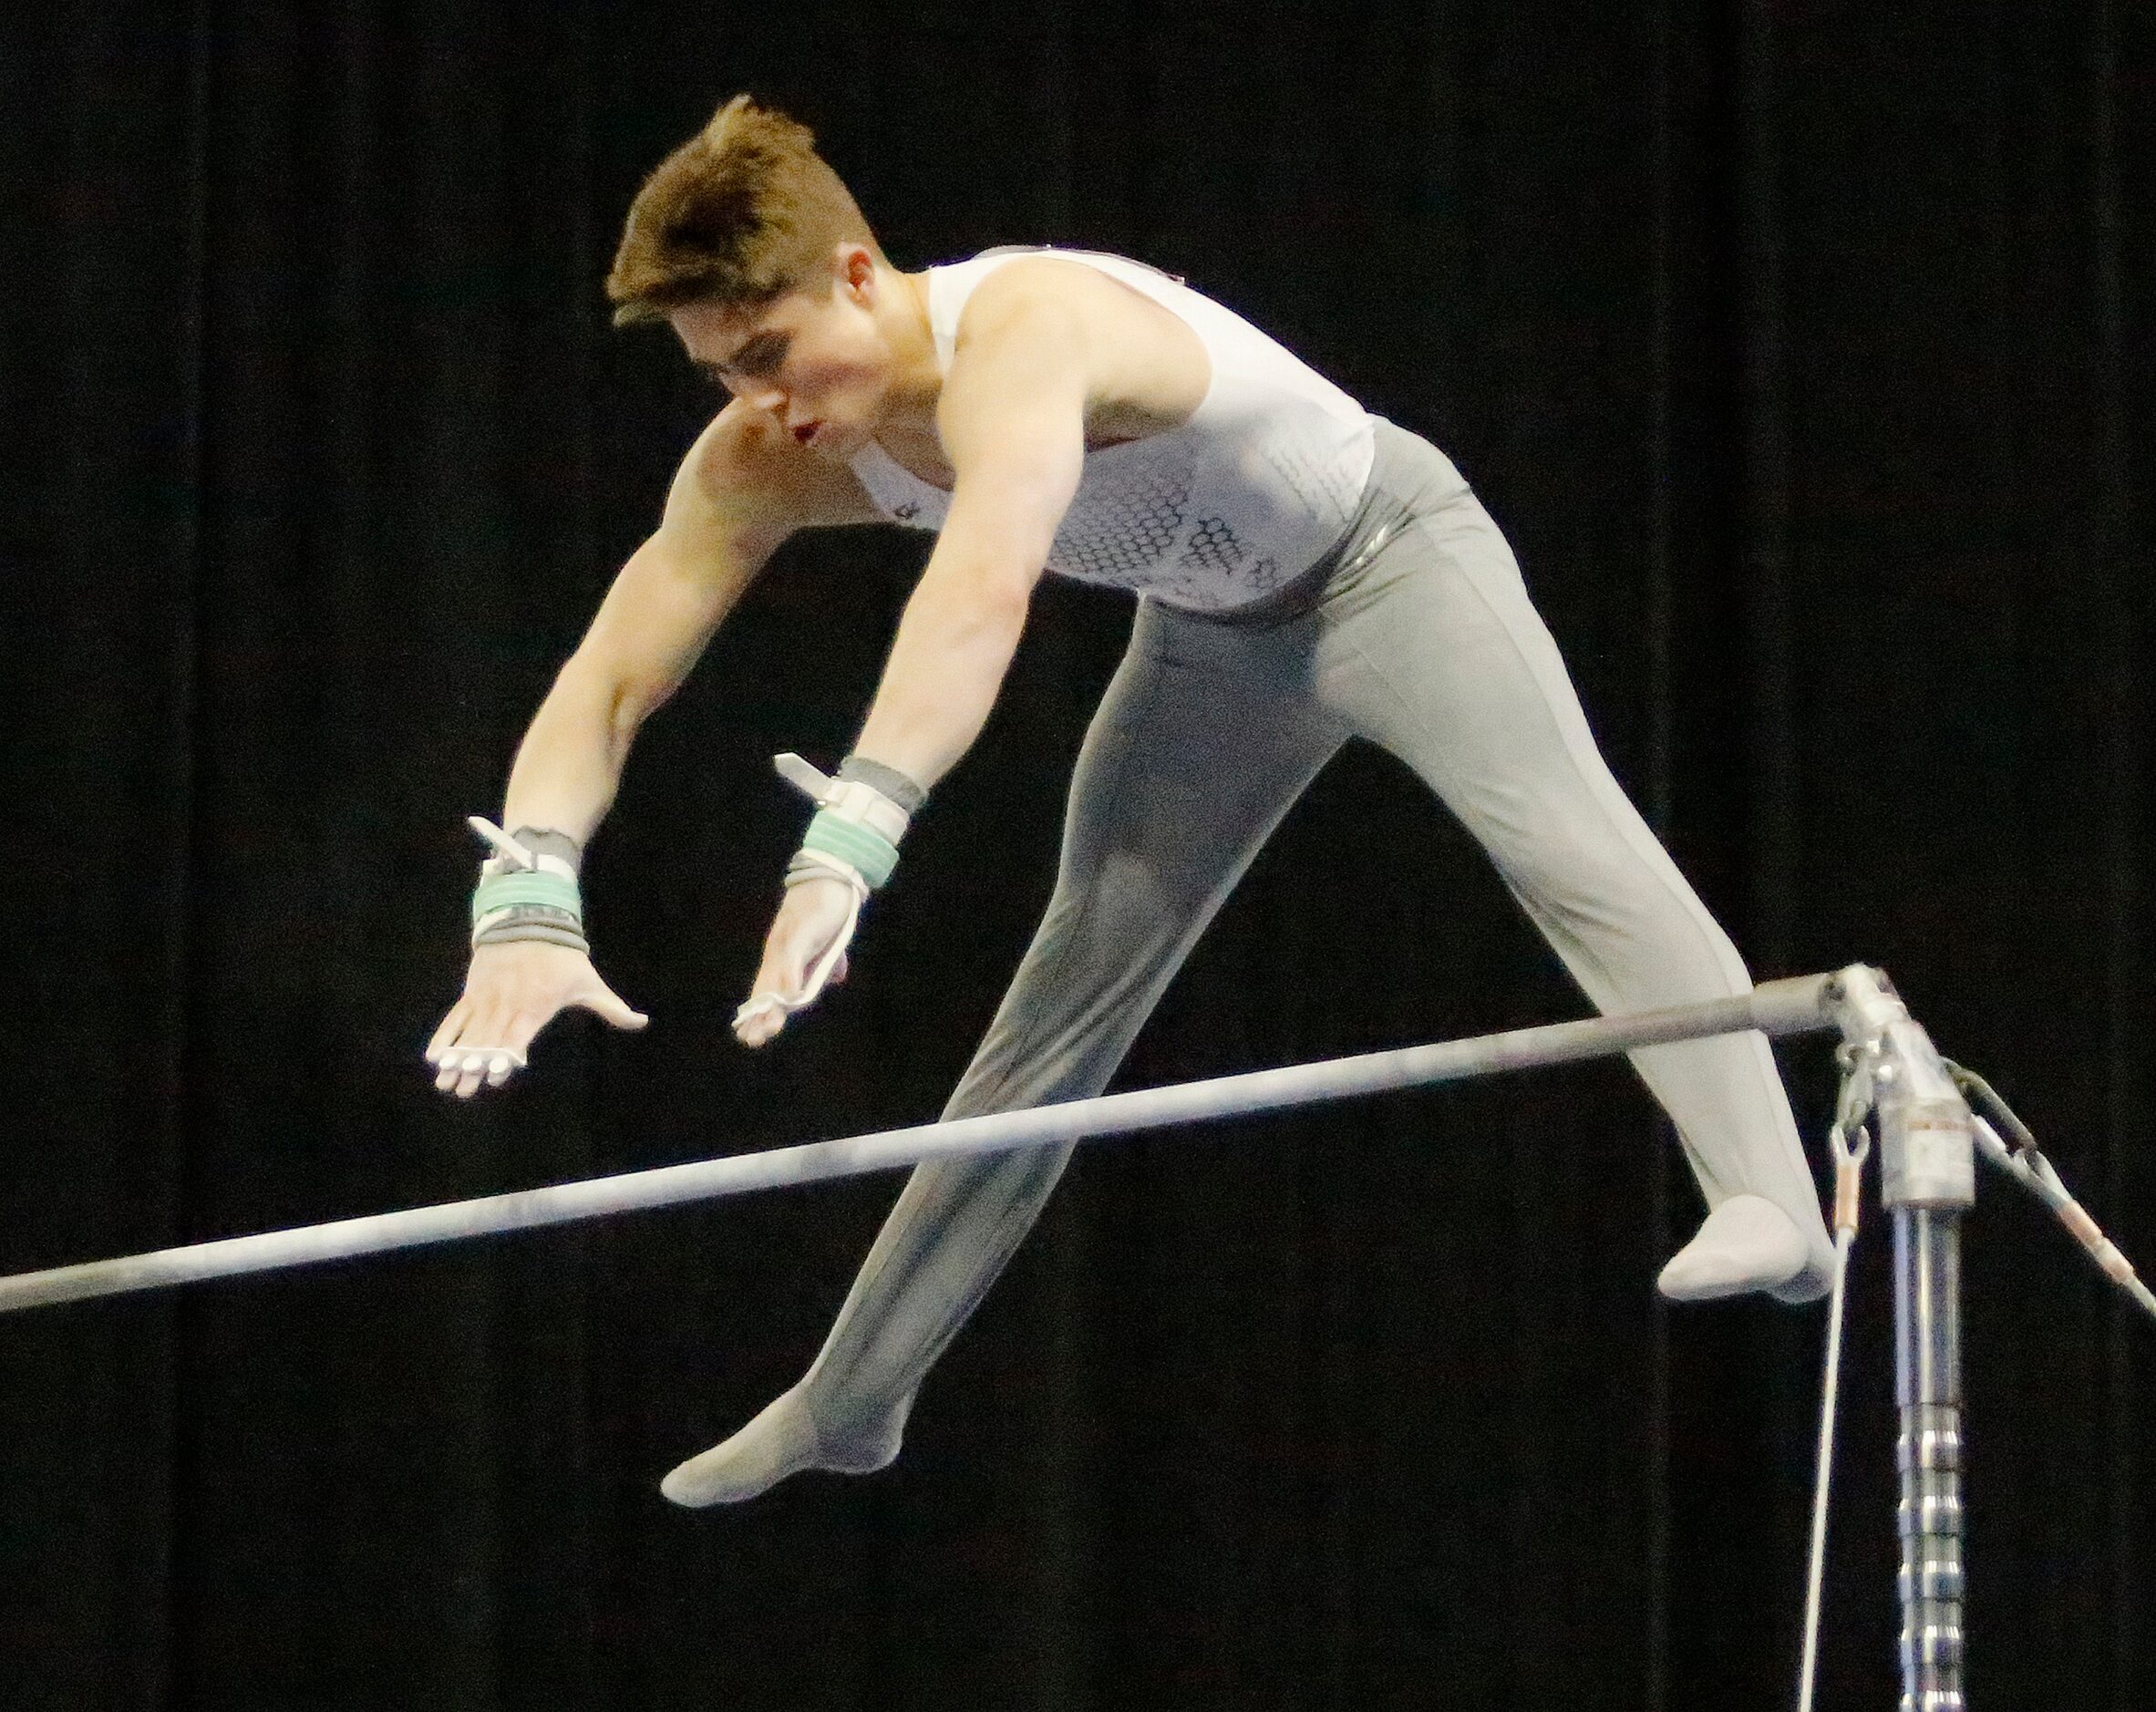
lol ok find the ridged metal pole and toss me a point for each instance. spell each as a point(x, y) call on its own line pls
point(1927, 1155)
point(1928, 1390)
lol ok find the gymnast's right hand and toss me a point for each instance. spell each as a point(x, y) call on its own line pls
point(512, 991)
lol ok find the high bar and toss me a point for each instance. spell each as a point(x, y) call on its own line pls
point(1801, 1005)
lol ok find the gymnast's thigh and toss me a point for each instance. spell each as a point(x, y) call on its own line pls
point(1204, 739)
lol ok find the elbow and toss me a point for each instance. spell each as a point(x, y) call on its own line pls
point(995, 589)
point(618, 704)
point(631, 704)
point(994, 620)
point(624, 718)
point(993, 559)
point(1003, 604)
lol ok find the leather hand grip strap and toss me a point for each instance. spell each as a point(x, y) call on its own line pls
point(852, 838)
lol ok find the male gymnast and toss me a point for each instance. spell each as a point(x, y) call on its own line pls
point(1307, 572)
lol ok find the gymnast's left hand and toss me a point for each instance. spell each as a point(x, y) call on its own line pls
point(812, 927)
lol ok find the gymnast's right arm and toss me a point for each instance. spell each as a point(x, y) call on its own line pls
point(725, 516)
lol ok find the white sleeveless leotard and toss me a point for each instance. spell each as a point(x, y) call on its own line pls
point(1212, 514)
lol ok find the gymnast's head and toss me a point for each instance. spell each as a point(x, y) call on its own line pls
point(748, 244)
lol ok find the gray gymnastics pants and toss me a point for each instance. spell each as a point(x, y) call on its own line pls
point(1417, 635)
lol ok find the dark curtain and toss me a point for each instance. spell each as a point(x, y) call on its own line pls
point(1803, 351)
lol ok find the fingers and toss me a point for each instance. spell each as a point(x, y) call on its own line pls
point(451, 1026)
point(758, 1020)
point(465, 1068)
point(806, 947)
point(780, 985)
point(487, 1048)
point(777, 982)
point(778, 988)
point(481, 1047)
point(779, 991)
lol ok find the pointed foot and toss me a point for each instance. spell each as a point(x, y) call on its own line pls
point(783, 1440)
point(1748, 1243)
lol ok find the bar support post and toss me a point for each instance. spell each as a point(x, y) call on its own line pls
point(1928, 1182)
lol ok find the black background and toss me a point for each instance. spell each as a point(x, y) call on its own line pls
point(1802, 349)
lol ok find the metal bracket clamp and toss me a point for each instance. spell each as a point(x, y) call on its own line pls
point(1927, 1147)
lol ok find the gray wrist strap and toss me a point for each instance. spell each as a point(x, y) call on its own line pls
point(549, 933)
point(903, 791)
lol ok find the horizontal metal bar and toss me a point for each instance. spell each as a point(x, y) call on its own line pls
point(1798, 1005)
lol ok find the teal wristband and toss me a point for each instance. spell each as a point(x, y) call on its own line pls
point(502, 891)
point(854, 843)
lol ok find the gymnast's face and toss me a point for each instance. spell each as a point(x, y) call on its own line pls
point(828, 360)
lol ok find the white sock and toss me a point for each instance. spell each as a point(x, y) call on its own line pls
point(1746, 1243)
point(781, 1440)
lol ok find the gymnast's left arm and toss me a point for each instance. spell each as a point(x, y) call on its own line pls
point(1012, 421)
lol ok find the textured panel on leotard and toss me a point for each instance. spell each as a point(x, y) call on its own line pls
point(1134, 529)
point(1119, 527)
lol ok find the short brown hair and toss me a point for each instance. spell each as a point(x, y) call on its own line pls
point(741, 213)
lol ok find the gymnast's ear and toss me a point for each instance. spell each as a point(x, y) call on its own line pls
point(853, 271)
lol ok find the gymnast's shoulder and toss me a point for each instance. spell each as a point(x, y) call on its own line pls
point(1145, 368)
point(749, 469)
